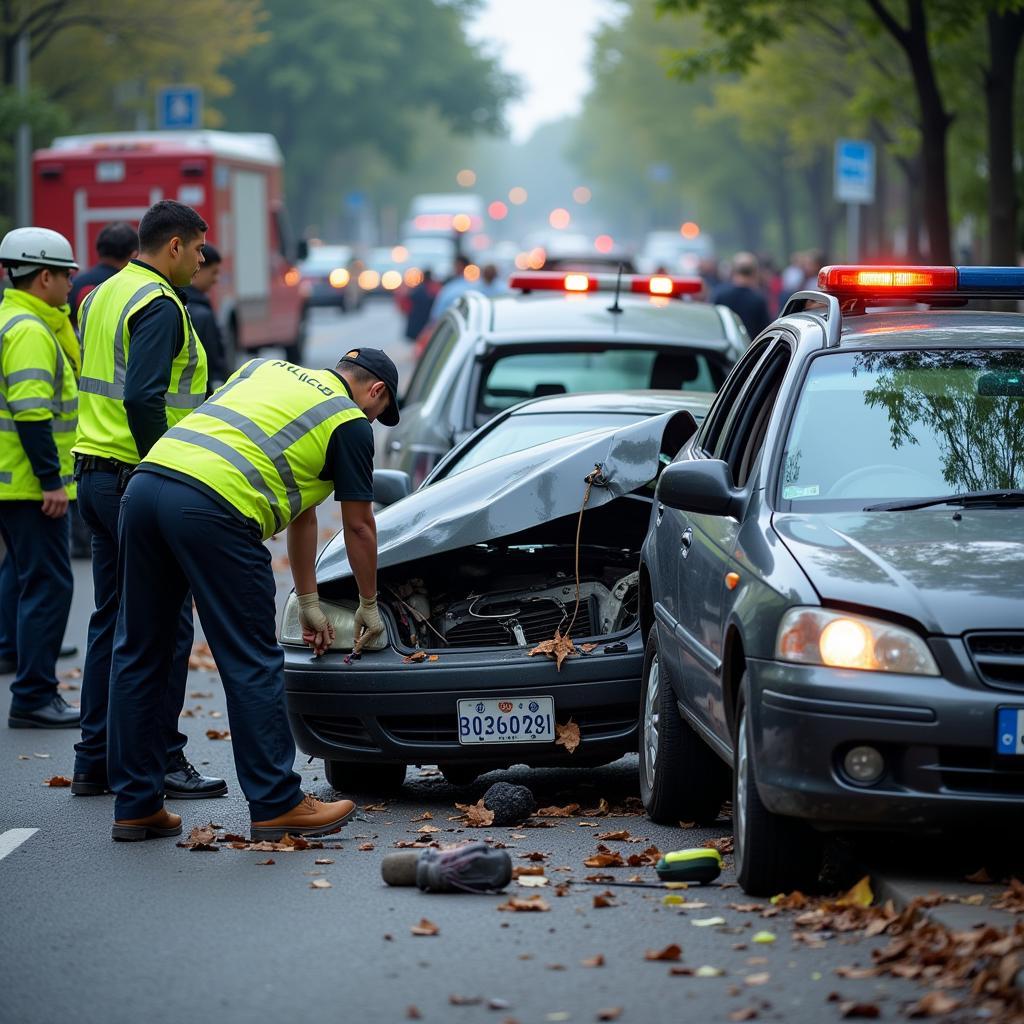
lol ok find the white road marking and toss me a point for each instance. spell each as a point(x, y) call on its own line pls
point(13, 838)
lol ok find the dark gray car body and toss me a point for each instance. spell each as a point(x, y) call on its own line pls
point(956, 580)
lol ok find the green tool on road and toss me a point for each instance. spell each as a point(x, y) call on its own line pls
point(701, 865)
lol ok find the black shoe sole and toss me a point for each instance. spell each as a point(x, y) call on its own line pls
point(28, 723)
point(276, 834)
point(89, 789)
point(176, 794)
point(136, 833)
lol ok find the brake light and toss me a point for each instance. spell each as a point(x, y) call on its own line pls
point(659, 284)
point(887, 280)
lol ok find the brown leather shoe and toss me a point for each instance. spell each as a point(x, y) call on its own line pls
point(156, 826)
point(311, 817)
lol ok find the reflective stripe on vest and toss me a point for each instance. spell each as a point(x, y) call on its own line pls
point(56, 405)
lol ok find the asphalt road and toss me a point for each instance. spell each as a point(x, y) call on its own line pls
point(94, 931)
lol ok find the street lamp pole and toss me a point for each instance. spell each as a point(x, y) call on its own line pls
point(23, 139)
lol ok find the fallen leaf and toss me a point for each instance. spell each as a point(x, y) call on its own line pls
point(415, 656)
point(526, 904)
point(557, 812)
point(375, 807)
point(859, 896)
point(558, 647)
point(534, 855)
point(425, 816)
point(648, 858)
point(457, 1000)
point(201, 659)
point(324, 860)
point(933, 1004)
point(320, 883)
point(218, 734)
point(681, 972)
point(413, 1013)
point(747, 1013)
point(264, 863)
point(973, 901)
point(670, 952)
point(604, 899)
point(604, 858)
point(24, 757)
point(497, 1004)
point(761, 978)
point(555, 967)
point(980, 877)
point(594, 961)
point(428, 829)
point(673, 900)
point(687, 824)
point(854, 1009)
point(365, 846)
point(587, 648)
point(723, 844)
point(425, 927)
point(216, 714)
point(68, 687)
point(477, 816)
point(434, 657)
point(567, 735)
point(200, 695)
point(621, 836)
point(610, 1013)
point(57, 781)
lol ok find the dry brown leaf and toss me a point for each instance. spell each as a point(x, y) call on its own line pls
point(365, 846)
point(621, 836)
point(57, 781)
point(526, 869)
point(670, 952)
point(477, 816)
point(850, 1008)
point(415, 656)
point(425, 927)
point(587, 648)
point(324, 860)
point(201, 659)
point(723, 844)
point(980, 877)
point(218, 734)
point(71, 673)
point(412, 1013)
point(202, 838)
point(264, 863)
point(934, 1004)
point(457, 1000)
point(201, 695)
point(557, 812)
point(605, 858)
point(761, 978)
point(610, 1013)
point(428, 829)
point(648, 858)
point(594, 961)
point(558, 647)
point(604, 899)
point(747, 1013)
point(567, 735)
point(425, 816)
point(525, 904)
point(320, 883)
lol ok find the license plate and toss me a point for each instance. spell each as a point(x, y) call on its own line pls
point(507, 720)
point(1010, 732)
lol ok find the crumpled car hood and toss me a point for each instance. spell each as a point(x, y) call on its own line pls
point(509, 494)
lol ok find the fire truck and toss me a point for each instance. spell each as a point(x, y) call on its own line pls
point(233, 180)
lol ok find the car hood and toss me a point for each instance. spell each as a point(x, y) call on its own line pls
point(949, 574)
point(509, 494)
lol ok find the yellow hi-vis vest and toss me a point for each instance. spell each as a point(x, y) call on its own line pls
point(261, 440)
point(37, 382)
point(103, 320)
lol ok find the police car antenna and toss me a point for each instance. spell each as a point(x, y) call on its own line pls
point(615, 307)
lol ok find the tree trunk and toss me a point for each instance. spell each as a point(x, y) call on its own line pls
point(1004, 39)
point(911, 169)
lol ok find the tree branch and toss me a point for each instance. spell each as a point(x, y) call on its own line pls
point(892, 26)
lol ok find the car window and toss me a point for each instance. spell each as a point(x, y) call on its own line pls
point(724, 405)
point(434, 357)
point(749, 426)
point(517, 376)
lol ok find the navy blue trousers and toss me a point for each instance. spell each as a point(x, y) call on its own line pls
point(36, 593)
point(173, 538)
point(8, 610)
point(99, 503)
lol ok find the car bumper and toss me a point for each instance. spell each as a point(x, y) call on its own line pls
point(937, 736)
point(384, 710)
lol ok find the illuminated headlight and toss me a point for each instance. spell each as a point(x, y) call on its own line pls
point(341, 616)
point(816, 636)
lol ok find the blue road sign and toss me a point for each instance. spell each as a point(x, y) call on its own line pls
point(855, 171)
point(180, 106)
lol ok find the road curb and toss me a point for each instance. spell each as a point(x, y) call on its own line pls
point(953, 916)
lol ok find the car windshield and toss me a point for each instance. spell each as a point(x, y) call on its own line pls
point(326, 259)
point(519, 432)
point(514, 377)
point(873, 427)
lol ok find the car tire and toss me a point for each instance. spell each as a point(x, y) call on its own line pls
point(459, 774)
point(353, 777)
point(681, 777)
point(772, 853)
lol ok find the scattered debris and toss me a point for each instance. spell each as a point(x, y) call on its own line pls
point(201, 659)
point(477, 815)
point(594, 961)
point(320, 883)
point(508, 803)
point(559, 812)
point(525, 904)
point(218, 734)
point(57, 781)
point(425, 927)
point(670, 952)
point(558, 647)
point(567, 735)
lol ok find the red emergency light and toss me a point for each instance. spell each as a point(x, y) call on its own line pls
point(881, 281)
point(577, 282)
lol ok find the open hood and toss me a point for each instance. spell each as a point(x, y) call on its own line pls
point(512, 493)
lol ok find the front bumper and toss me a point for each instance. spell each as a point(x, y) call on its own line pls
point(383, 710)
point(937, 735)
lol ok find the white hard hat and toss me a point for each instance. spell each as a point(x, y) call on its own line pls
point(26, 249)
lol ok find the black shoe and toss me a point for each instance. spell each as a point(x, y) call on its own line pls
point(8, 666)
point(58, 714)
point(183, 782)
point(68, 651)
point(84, 784)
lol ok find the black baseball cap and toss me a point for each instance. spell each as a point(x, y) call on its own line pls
point(379, 363)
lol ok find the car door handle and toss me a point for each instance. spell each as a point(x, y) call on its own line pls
point(686, 540)
point(394, 446)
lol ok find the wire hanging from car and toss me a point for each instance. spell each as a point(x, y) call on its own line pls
point(592, 478)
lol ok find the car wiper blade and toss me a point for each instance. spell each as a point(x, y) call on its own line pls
point(967, 499)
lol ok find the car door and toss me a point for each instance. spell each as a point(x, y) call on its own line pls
point(672, 528)
point(710, 553)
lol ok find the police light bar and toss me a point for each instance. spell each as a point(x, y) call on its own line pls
point(579, 282)
point(921, 283)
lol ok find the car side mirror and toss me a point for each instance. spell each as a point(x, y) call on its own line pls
point(301, 250)
point(390, 485)
point(703, 486)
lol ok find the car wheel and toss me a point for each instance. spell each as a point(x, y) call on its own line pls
point(772, 853)
point(351, 777)
point(681, 778)
point(459, 774)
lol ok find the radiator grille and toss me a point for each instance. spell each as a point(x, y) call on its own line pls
point(539, 619)
point(999, 658)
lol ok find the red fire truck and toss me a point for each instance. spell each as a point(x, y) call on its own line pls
point(233, 180)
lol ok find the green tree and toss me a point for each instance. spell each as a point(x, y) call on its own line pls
point(340, 75)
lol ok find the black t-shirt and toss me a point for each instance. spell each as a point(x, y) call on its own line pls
point(349, 461)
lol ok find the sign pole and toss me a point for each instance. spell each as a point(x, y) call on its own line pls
point(23, 139)
point(853, 232)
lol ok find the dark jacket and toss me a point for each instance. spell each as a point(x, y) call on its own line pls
point(749, 305)
point(83, 283)
point(205, 322)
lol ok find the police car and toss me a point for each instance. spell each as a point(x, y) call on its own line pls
point(834, 576)
point(557, 333)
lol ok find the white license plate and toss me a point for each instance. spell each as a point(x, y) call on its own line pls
point(507, 720)
point(1010, 732)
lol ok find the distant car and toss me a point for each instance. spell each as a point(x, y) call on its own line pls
point(833, 581)
point(477, 568)
point(489, 353)
point(327, 278)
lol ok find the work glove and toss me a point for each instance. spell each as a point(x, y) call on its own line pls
point(369, 629)
point(317, 630)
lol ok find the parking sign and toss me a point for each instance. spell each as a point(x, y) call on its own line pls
point(180, 106)
point(855, 171)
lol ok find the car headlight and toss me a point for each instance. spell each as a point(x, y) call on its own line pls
point(341, 615)
point(817, 636)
